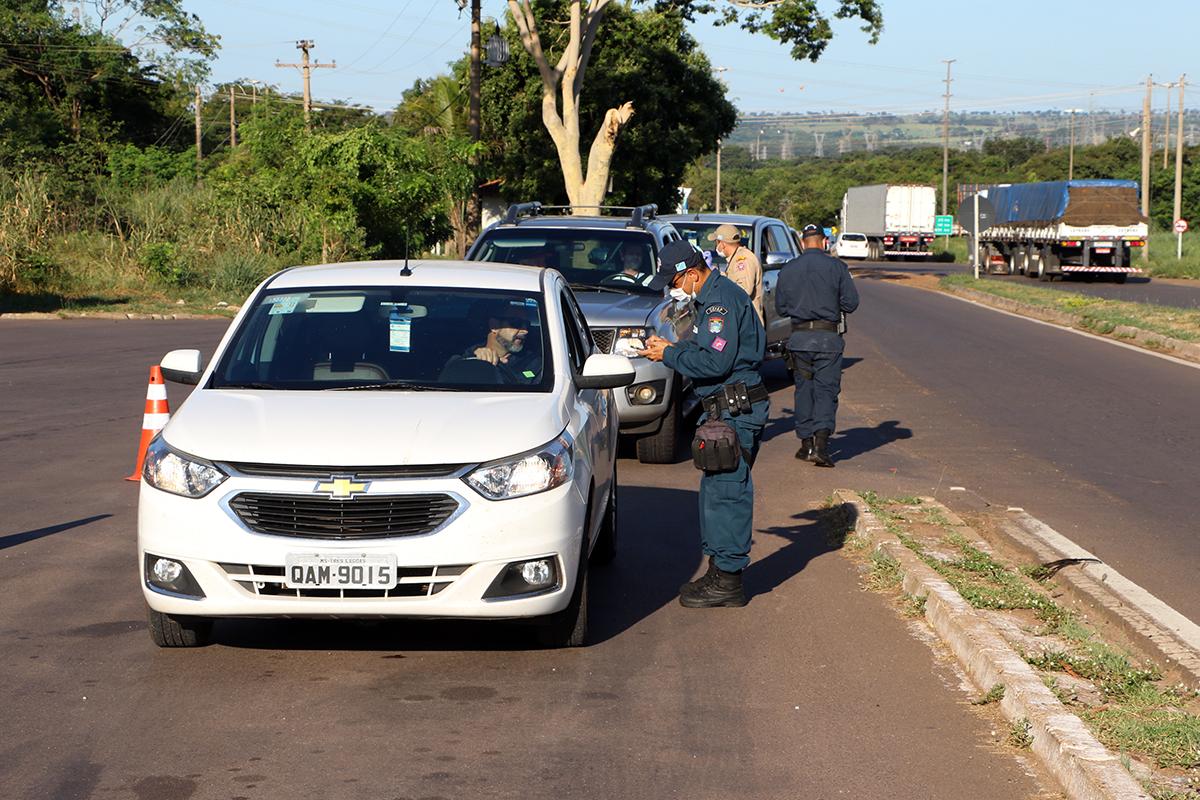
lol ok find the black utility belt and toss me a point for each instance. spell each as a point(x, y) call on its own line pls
point(815, 325)
point(736, 398)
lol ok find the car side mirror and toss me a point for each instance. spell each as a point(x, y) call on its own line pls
point(605, 371)
point(182, 366)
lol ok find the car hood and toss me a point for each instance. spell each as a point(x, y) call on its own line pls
point(608, 309)
point(363, 428)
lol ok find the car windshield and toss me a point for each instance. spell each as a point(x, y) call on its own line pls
point(700, 235)
point(616, 259)
point(390, 338)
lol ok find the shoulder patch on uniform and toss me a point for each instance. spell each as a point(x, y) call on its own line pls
point(719, 344)
point(716, 324)
point(717, 309)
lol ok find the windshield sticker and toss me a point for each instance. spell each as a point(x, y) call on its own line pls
point(285, 304)
point(529, 374)
point(399, 332)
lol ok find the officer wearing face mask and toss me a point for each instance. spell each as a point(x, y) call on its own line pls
point(722, 360)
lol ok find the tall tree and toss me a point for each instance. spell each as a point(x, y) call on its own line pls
point(564, 59)
point(683, 112)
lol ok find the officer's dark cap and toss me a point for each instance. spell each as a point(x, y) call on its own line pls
point(675, 257)
point(811, 230)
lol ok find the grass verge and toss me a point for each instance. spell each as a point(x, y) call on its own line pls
point(1096, 314)
point(1125, 703)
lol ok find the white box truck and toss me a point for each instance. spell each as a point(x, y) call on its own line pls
point(897, 219)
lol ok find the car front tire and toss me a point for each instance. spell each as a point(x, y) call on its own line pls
point(663, 447)
point(568, 628)
point(606, 541)
point(168, 630)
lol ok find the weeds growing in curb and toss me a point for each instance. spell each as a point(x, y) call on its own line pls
point(914, 605)
point(994, 695)
point(1020, 733)
point(885, 572)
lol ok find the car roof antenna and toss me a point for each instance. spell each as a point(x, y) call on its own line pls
point(405, 272)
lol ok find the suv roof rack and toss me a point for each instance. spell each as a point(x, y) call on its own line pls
point(518, 210)
point(638, 215)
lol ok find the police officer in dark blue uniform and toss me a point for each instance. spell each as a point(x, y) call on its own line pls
point(815, 290)
point(722, 360)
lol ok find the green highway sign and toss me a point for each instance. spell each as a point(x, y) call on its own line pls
point(943, 224)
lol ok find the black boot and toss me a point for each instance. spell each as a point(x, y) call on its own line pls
point(820, 455)
point(806, 449)
point(692, 586)
point(724, 589)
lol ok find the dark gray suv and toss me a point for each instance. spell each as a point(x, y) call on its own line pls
point(608, 260)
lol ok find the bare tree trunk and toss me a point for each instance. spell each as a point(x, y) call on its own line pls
point(562, 85)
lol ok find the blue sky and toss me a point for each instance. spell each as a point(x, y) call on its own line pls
point(1011, 55)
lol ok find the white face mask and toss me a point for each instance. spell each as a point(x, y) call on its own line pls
point(680, 296)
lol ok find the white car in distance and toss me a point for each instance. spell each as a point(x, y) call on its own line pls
point(852, 245)
point(374, 440)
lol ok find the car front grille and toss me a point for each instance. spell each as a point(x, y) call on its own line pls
point(604, 337)
point(366, 517)
point(267, 581)
point(361, 473)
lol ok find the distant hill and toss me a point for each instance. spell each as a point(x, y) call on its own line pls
point(792, 136)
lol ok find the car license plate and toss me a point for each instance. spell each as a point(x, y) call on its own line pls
point(339, 571)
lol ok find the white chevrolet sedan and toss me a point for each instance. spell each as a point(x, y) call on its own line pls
point(373, 440)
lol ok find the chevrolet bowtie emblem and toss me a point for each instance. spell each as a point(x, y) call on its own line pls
point(342, 487)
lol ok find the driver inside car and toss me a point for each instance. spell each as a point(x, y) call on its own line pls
point(633, 267)
point(505, 344)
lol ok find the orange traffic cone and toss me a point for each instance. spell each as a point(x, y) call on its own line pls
point(156, 416)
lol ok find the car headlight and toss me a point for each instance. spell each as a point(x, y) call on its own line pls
point(538, 470)
point(631, 341)
point(177, 473)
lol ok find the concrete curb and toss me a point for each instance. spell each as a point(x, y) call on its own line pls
point(1123, 333)
point(1084, 768)
point(1160, 630)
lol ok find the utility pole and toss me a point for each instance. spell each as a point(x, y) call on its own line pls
point(1167, 123)
point(718, 192)
point(304, 45)
point(1178, 207)
point(819, 139)
point(474, 211)
point(946, 135)
point(1071, 157)
point(232, 121)
point(1146, 160)
point(198, 131)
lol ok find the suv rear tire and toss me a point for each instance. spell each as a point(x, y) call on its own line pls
point(168, 630)
point(663, 447)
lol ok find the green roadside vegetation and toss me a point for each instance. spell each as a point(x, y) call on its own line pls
point(1096, 314)
point(1124, 700)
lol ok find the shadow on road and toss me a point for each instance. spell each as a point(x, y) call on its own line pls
point(847, 444)
point(808, 539)
point(658, 550)
point(14, 539)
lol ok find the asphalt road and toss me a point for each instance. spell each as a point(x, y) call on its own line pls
point(1157, 291)
point(1098, 440)
point(817, 689)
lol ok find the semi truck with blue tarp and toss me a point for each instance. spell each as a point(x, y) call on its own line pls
point(1060, 228)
